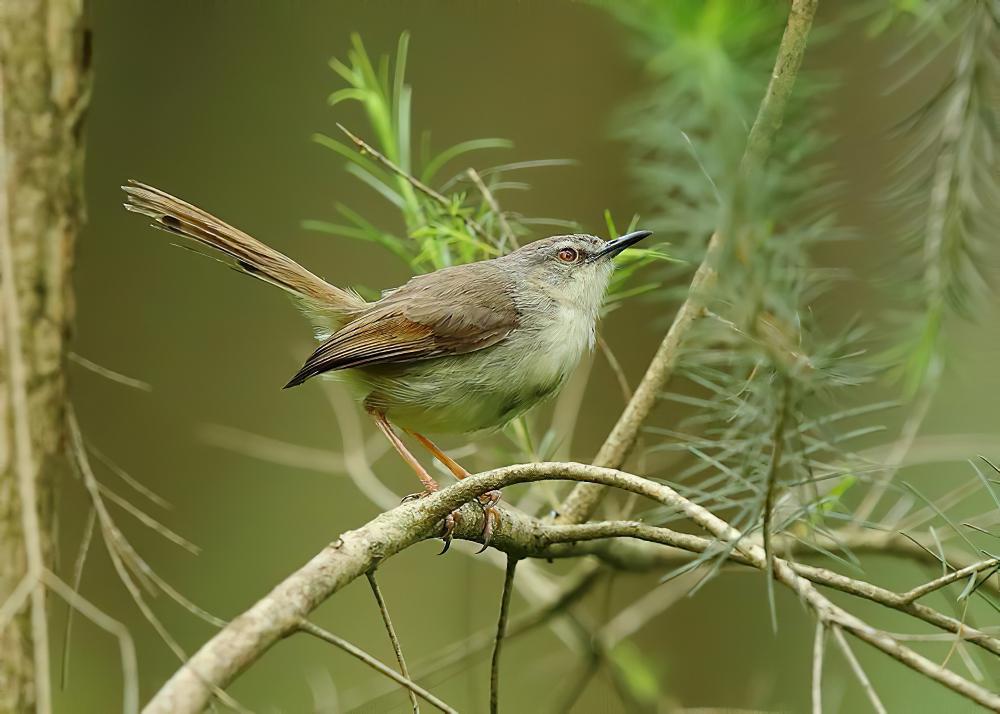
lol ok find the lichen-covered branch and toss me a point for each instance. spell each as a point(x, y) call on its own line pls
point(280, 613)
point(44, 58)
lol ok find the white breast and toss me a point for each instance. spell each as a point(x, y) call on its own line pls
point(560, 345)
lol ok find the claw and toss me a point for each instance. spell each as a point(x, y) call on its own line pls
point(417, 496)
point(489, 499)
point(450, 521)
point(492, 519)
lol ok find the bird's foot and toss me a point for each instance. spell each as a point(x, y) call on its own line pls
point(429, 490)
point(491, 516)
point(449, 523)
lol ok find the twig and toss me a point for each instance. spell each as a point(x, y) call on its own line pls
point(506, 234)
point(508, 590)
point(462, 652)
point(777, 448)
point(279, 613)
point(78, 564)
point(858, 670)
point(110, 374)
point(377, 592)
point(817, 669)
point(318, 632)
point(945, 580)
point(27, 469)
point(365, 148)
point(123, 557)
point(585, 497)
point(616, 367)
point(130, 667)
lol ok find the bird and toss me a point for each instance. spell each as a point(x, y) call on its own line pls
point(462, 349)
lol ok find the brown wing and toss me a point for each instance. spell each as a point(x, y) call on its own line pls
point(451, 311)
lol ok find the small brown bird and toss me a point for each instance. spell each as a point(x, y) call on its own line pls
point(463, 349)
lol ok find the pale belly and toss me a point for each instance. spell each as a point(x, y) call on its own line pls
point(475, 391)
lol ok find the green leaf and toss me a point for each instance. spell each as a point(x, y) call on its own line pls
point(453, 152)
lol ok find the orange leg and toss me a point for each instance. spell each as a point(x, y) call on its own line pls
point(430, 485)
point(456, 468)
point(488, 500)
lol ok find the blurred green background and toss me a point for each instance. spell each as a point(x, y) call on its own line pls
point(216, 102)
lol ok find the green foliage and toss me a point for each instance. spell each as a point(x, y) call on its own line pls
point(947, 186)
point(453, 222)
point(761, 358)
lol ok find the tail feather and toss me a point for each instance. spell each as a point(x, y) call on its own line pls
point(250, 255)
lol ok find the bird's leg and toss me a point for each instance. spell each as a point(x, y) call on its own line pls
point(488, 501)
point(430, 485)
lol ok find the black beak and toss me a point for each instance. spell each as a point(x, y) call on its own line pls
point(616, 246)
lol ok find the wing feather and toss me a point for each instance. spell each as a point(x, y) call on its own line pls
point(451, 311)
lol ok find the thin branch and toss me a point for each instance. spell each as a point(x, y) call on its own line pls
point(130, 667)
point(27, 469)
point(124, 557)
point(508, 590)
point(777, 448)
point(616, 367)
point(819, 642)
point(461, 653)
point(110, 374)
point(279, 613)
point(365, 148)
point(78, 564)
point(377, 592)
point(584, 498)
point(945, 580)
point(506, 234)
point(858, 670)
point(355, 651)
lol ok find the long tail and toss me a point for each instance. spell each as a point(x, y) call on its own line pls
point(253, 257)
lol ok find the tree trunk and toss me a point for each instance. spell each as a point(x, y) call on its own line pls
point(44, 59)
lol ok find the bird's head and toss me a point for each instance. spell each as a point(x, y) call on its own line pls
point(574, 268)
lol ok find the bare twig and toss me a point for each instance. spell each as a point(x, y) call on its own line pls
point(78, 564)
point(355, 651)
point(506, 234)
point(377, 592)
point(819, 642)
point(858, 670)
point(616, 367)
point(130, 667)
point(279, 613)
point(508, 590)
point(365, 148)
point(585, 497)
point(945, 580)
point(126, 560)
point(460, 653)
point(777, 449)
point(110, 374)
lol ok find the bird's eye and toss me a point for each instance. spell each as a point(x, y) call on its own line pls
point(568, 255)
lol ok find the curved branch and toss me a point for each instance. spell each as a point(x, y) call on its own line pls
point(279, 613)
